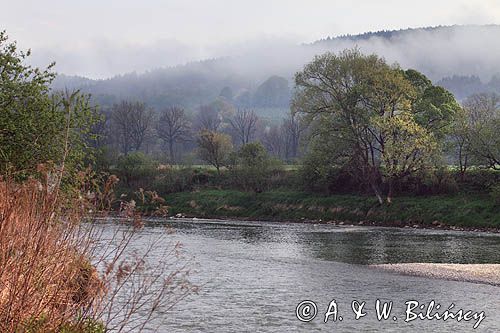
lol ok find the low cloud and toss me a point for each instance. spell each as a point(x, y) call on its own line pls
point(468, 50)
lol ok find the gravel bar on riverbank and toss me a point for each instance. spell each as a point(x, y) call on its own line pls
point(476, 273)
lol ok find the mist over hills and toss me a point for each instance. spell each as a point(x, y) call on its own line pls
point(464, 59)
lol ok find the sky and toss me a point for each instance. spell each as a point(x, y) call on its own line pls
point(84, 37)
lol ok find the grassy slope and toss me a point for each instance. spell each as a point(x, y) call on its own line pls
point(460, 210)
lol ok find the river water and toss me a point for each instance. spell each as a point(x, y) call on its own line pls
point(252, 276)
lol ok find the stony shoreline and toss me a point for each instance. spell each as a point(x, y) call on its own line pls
point(475, 273)
point(386, 224)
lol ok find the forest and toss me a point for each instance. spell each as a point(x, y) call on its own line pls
point(354, 125)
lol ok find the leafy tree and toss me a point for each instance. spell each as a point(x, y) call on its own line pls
point(482, 128)
point(381, 122)
point(78, 132)
point(274, 92)
point(434, 107)
point(214, 148)
point(35, 125)
point(254, 167)
point(135, 167)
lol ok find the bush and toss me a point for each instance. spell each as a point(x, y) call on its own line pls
point(171, 180)
point(495, 193)
point(253, 169)
point(136, 170)
point(478, 180)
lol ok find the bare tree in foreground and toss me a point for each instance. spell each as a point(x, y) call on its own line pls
point(173, 127)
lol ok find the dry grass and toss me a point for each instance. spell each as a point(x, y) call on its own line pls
point(46, 279)
point(58, 274)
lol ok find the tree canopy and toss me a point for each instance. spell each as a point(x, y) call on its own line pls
point(382, 122)
point(36, 125)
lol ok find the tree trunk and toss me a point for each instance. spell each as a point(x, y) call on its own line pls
point(171, 151)
point(390, 191)
point(377, 192)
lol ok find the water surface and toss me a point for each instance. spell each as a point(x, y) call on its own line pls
point(253, 275)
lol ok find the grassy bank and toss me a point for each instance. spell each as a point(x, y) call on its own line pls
point(460, 210)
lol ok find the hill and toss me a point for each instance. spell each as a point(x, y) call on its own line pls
point(463, 59)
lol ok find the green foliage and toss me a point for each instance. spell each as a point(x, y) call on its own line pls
point(171, 180)
point(408, 147)
point(461, 210)
point(35, 126)
point(481, 128)
point(136, 170)
point(214, 148)
point(495, 193)
point(254, 168)
point(379, 122)
point(28, 124)
point(81, 326)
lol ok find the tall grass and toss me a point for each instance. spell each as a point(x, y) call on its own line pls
point(46, 280)
point(58, 274)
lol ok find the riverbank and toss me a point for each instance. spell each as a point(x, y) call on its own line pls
point(461, 212)
point(479, 273)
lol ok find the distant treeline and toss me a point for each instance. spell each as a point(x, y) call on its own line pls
point(464, 86)
point(186, 87)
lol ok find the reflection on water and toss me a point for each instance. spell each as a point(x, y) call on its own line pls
point(358, 245)
point(254, 274)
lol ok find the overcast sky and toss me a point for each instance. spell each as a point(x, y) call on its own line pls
point(168, 32)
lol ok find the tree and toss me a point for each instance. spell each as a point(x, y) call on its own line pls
point(273, 140)
point(214, 148)
point(227, 93)
point(244, 124)
point(173, 127)
point(35, 126)
point(77, 132)
point(131, 123)
point(366, 110)
point(273, 92)
point(459, 142)
point(292, 130)
point(208, 118)
point(482, 128)
point(254, 167)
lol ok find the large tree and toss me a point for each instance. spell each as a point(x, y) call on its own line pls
point(36, 125)
point(130, 123)
point(381, 122)
point(173, 127)
point(244, 125)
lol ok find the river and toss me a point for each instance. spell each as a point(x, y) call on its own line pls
point(252, 276)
